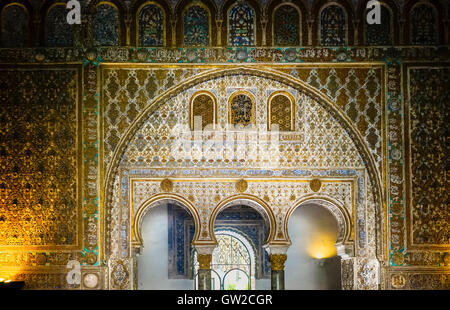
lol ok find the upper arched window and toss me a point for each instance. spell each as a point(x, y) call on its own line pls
point(203, 110)
point(15, 22)
point(380, 34)
point(286, 25)
point(241, 25)
point(423, 25)
point(106, 25)
point(59, 32)
point(196, 26)
point(333, 26)
point(150, 25)
point(242, 109)
point(281, 111)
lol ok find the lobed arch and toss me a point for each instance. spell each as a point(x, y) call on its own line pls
point(248, 200)
point(343, 217)
point(248, 70)
point(156, 200)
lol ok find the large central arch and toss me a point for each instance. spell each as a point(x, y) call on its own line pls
point(374, 178)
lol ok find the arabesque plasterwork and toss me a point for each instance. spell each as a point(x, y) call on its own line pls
point(359, 123)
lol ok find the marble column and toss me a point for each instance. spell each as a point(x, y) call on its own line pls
point(204, 257)
point(277, 274)
point(277, 258)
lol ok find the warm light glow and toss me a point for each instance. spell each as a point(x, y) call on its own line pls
point(1, 280)
point(7, 281)
point(322, 246)
point(319, 256)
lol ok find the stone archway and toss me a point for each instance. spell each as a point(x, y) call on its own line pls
point(344, 243)
point(154, 201)
point(249, 200)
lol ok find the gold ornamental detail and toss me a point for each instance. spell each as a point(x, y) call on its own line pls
point(398, 281)
point(398, 259)
point(166, 185)
point(241, 186)
point(315, 185)
point(277, 261)
point(204, 261)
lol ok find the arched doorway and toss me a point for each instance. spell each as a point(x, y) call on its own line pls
point(312, 261)
point(239, 260)
point(233, 264)
point(166, 229)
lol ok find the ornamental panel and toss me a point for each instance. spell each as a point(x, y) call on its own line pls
point(40, 147)
point(429, 113)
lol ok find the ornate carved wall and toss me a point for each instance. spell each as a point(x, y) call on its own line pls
point(88, 135)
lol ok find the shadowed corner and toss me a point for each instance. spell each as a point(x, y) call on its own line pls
point(11, 285)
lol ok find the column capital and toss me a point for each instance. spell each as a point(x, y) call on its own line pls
point(345, 250)
point(276, 248)
point(277, 261)
point(204, 261)
point(204, 249)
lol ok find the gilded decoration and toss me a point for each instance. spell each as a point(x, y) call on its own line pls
point(277, 261)
point(241, 186)
point(120, 275)
point(242, 109)
point(281, 111)
point(204, 261)
point(66, 190)
point(203, 104)
point(429, 217)
point(315, 185)
point(166, 185)
point(39, 178)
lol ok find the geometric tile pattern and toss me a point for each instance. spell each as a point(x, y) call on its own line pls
point(38, 158)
